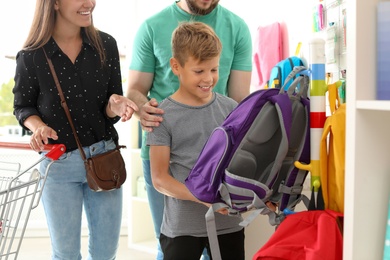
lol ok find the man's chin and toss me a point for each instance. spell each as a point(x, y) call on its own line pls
point(196, 10)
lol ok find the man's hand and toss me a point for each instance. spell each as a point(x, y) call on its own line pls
point(150, 115)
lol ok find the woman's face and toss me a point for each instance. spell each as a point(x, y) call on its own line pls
point(75, 12)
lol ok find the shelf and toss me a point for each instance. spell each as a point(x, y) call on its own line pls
point(140, 222)
point(141, 231)
point(149, 246)
point(138, 199)
point(367, 139)
point(381, 105)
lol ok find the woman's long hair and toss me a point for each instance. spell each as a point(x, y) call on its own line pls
point(42, 29)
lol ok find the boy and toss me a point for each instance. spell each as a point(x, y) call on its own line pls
point(191, 114)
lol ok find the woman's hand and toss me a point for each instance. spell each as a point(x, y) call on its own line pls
point(41, 132)
point(41, 136)
point(120, 106)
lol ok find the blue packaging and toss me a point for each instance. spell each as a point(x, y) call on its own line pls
point(383, 51)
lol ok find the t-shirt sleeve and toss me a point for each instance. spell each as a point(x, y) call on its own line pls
point(243, 49)
point(142, 52)
point(160, 136)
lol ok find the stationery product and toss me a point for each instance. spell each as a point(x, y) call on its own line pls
point(383, 51)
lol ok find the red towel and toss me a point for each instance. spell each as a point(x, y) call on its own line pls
point(307, 235)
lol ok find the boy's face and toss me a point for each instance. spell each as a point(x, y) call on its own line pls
point(197, 79)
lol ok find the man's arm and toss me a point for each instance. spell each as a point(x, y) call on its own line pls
point(239, 84)
point(139, 84)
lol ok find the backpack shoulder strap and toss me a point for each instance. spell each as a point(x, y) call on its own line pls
point(289, 185)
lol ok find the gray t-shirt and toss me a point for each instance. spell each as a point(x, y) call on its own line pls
point(185, 129)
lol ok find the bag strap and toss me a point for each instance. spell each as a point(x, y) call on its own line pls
point(64, 105)
point(212, 231)
point(297, 70)
point(334, 100)
point(293, 178)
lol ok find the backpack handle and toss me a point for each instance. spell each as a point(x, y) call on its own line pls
point(301, 70)
point(303, 82)
point(302, 79)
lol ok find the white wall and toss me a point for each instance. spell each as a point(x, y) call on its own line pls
point(121, 18)
point(297, 25)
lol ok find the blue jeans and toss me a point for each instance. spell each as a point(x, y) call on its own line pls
point(65, 193)
point(156, 204)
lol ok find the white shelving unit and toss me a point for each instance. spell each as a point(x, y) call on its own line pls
point(367, 176)
point(141, 232)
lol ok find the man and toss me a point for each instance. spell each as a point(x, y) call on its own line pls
point(151, 80)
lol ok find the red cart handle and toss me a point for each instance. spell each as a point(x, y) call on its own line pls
point(54, 150)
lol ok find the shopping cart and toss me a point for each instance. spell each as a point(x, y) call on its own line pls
point(20, 192)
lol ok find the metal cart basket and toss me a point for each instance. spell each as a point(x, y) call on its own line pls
point(20, 192)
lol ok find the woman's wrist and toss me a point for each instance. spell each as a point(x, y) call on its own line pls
point(109, 112)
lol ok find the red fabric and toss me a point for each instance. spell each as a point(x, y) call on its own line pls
point(308, 235)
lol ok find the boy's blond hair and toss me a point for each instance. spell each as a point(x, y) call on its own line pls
point(195, 39)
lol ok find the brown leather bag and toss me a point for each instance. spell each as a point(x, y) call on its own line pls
point(105, 171)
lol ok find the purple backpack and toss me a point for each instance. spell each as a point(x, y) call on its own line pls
point(249, 159)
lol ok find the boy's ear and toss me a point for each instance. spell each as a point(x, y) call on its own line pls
point(174, 66)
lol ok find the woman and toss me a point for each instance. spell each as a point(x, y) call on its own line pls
point(87, 64)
